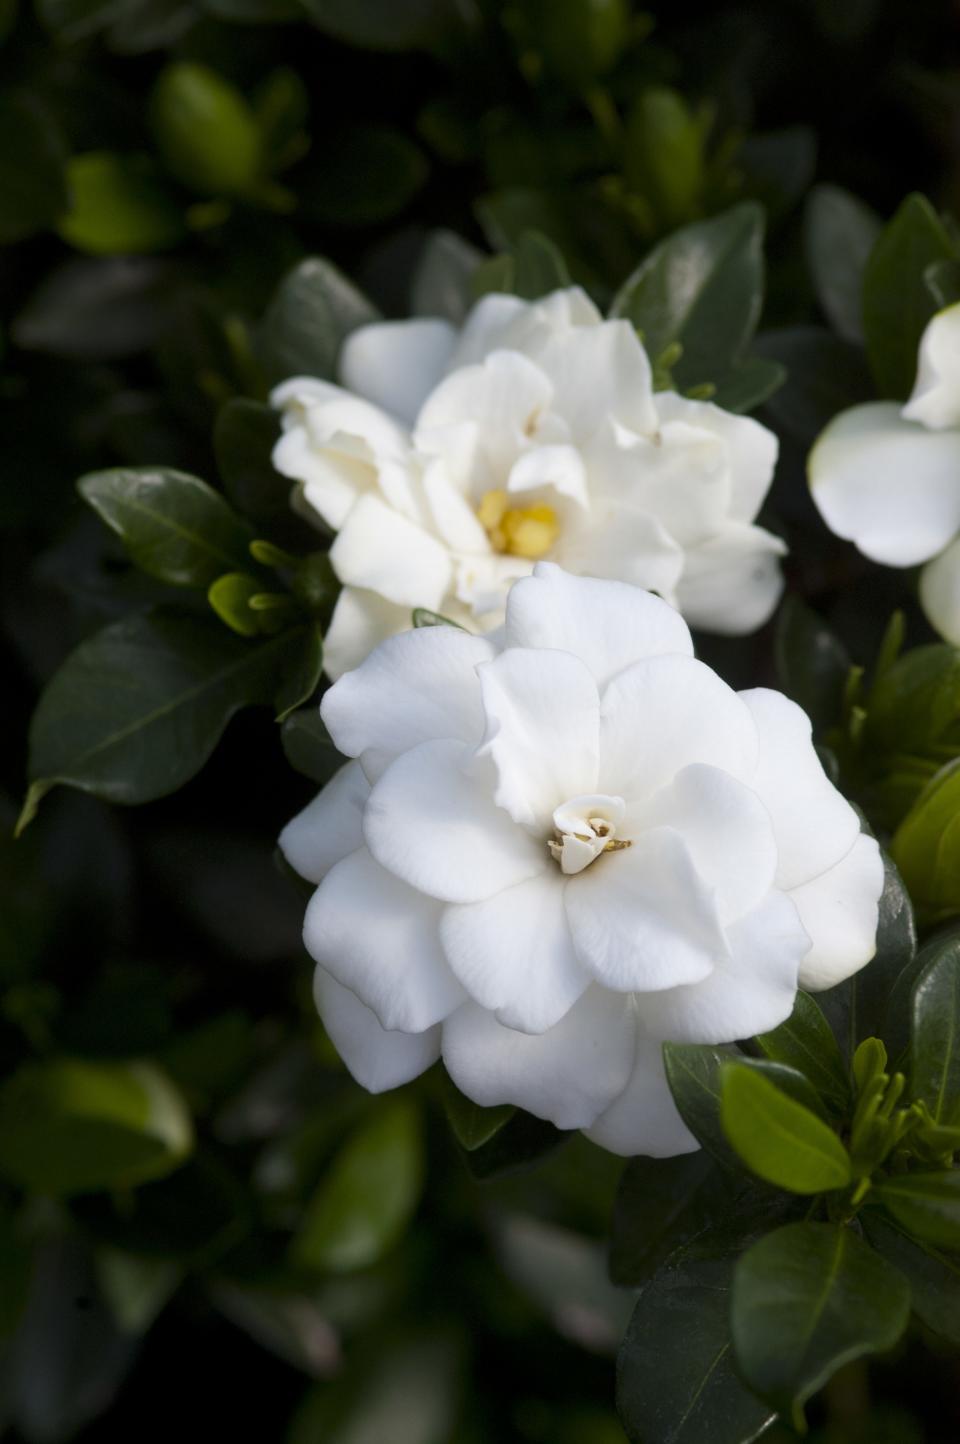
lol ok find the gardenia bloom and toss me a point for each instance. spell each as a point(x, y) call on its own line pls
point(887, 477)
point(560, 845)
point(452, 461)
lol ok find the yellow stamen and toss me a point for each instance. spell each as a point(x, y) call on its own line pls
point(527, 531)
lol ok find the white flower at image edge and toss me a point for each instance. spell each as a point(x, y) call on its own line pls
point(559, 846)
point(887, 477)
point(449, 461)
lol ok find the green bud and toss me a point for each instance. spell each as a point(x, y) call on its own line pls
point(206, 132)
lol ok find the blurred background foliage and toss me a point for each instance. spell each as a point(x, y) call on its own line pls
point(200, 1216)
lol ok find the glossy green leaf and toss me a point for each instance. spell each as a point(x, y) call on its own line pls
point(174, 526)
point(100, 309)
point(935, 1032)
point(702, 287)
point(779, 1139)
point(69, 1126)
point(915, 700)
point(300, 674)
point(840, 232)
point(369, 174)
point(244, 435)
point(693, 1073)
point(442, 280)
point(538, 267)
point(812, 663)
point(824, 375)
point(520, 1144)
point(472, 1125)
point(368, 1195)
point(33, 178)
point(664, 155)
point(787, 1080)
point(137, 709)
point(676, 1381)
point(807, 1299)
point(934, 1277)
point(380, 24)
point(926, 845)
point(926, 1205)
point(206, 133)
point(314, 309)
point(748, 384)
point(805, 1042)
point(119, 206)
point(896, 301)
point(308, 746)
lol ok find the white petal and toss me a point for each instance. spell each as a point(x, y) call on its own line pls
point(382, 551)
point(680, 477)
point(607, 624)
point(813, 824)
point(727, 830)
point(377, 1057)
point(567, 1075)
point(888, 485)
point(361, 621)
point(514, 955)
point(328, 828)
point(486, 328)
point(381, 939)
point(940, 592)
point(420, 685)
point(452, 515)
point(436, 826)
point(935, 401)
point(502, 397)
point(624, 545)
point(751, 448)
point(663, 713)
point(642, 919)
point(483, 583)
point(331, 485)
point(749, 992)
point(559, 467)
point(644, 1118)
point(733, 582)
point(839, 911)
point(598, 372)
point(543, 729)
point(396, 364)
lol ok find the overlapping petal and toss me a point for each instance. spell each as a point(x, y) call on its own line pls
point(379, 1058)
point(940, 592)
point(839, 911)
point(644, 1118)
point(396, 364)
point(330, 827)
point(935, 400)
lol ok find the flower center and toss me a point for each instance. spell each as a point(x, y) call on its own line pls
point(584, 828)
point(520, 531)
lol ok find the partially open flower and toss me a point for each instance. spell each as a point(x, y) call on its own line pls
point(887, 477)
point(532, 433)
point(563, 844)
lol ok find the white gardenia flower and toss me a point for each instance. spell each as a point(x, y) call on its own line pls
point(887, 477)
point(450, 461)
point(560, 845)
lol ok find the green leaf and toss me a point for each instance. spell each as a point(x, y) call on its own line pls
point(472, 1125)
point(805, 1042)
point(244, 435)
point(174, 526)
point(840, 232)
point(915, 700)
point(230, 595)
point(538, 267)
point(442, 282)
point(99, 309)
point(933, 1277)
point(676, 1381)
point(693, 1073)
point(825, 374)
point(422, 617)
point(120, 206)
point(662, 1205)
point(301, 673)
point(33, 178)
point(309, 747)
point(314, 309)
point(369, 174)
point(926, 845)
point(381, 24)
point(664, 155)
point(748, 384)
point(137, 709)
point(520, 1144)
point(207, 135)
point(701, 287)
point(926, 1205)
point(73, 20)
point(779, 1139)
point(789, 1081)
point(369, 1194)
point(896, 301)
point(807, 1299)
point(68, 1126)
point(136, 1289)
point(935, 1032)
point(812, 663)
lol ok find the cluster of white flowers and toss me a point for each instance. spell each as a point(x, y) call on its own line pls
point(449, 462)
point(561, 844)
point(887, 477)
